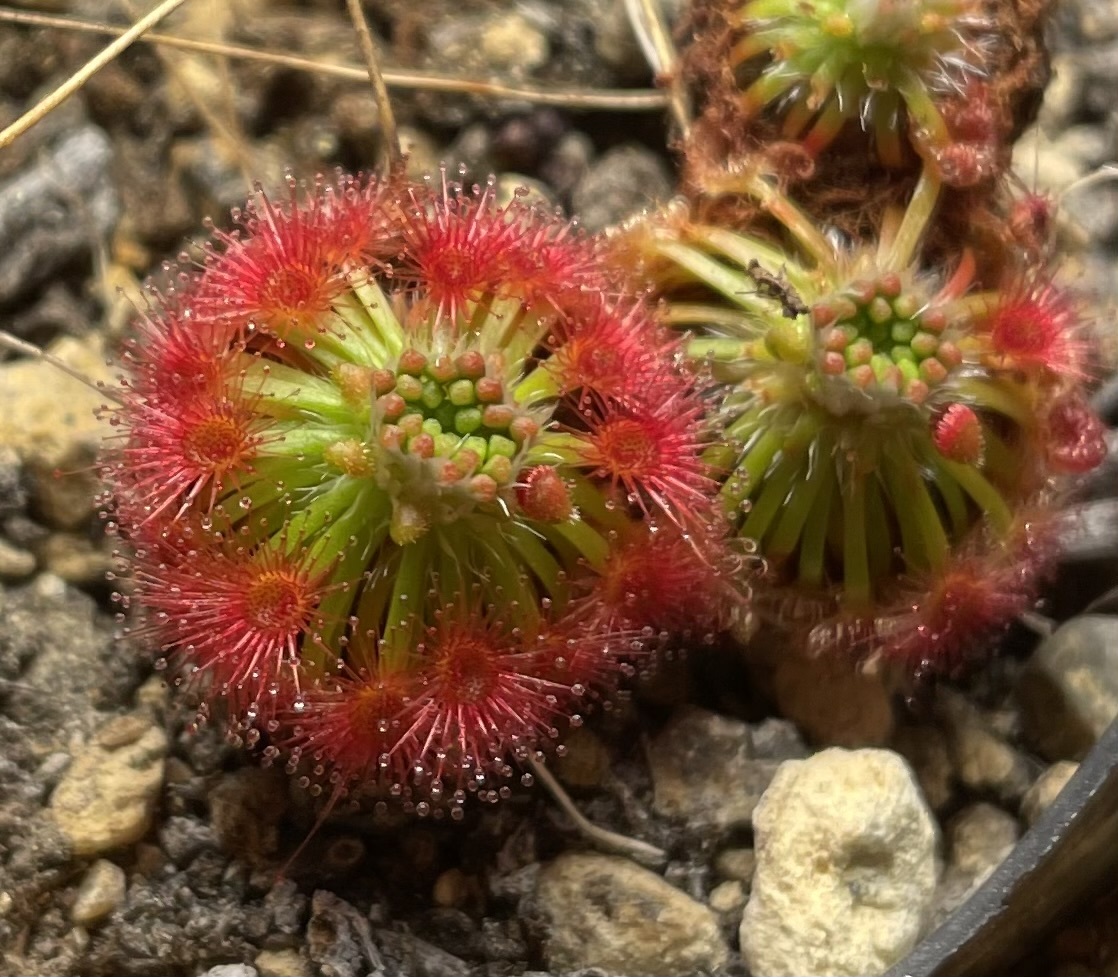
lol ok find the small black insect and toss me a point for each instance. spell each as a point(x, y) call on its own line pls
point(776, 287)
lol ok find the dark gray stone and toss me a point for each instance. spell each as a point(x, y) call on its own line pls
point(417, 957)
point(704, 772)
point(184, 838)
point(339, 938)
point(622, 183)
point(56, 210)
point(1069, 692)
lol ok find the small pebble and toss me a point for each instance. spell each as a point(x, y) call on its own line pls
point(75, 558)
point(512, 44)
point(15, 564)
point(1044, 792)
point(418, 957)
point(280, 963)
point(122, 731)
point(52, 212)
point(777, 739)
point(621, 183)
point(736, 864)
point(245, 808)
point(983, 760)
point(148, 859)
point(980, 836)
point(422, 152)
point(339, 937)
point(606, 912)
point(452, 888)
point(1069, 692)
point(516, 186)
point(1098, 22)
point(568, 162)
point(13, 492)
point(50, 433)
point(107, 797)
point(54, 765)
point(100, 892)
point(727, 897)
point(152, 697)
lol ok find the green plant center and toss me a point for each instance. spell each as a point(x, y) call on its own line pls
point(883, 338)
point(456, 412)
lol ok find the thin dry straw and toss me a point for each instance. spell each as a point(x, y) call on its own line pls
point(376, 79)
point(575, 99)
point(87, 71)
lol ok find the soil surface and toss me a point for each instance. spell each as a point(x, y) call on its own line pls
point(134, 842)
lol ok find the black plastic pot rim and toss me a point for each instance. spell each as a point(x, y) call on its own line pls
point(1061, 861)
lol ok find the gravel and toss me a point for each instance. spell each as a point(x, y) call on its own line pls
point(132, 843)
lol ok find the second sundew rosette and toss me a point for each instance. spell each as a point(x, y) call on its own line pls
point(878, 81)
point(895, 433)
point(387, 462)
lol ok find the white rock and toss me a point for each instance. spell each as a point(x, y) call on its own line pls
point(846, 867)
point(606, 912)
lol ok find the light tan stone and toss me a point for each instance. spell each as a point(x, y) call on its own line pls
point(846, 867)
point(607, 912)
point(107, 796)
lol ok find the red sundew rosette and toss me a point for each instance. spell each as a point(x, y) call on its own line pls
point(375, 418)
point(883, 419)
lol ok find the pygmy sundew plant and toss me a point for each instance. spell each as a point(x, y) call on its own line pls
point(385, 461)
point(900, 71)
point(895, 429)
